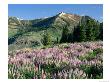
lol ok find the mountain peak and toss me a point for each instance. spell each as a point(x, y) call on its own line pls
point(61, 13)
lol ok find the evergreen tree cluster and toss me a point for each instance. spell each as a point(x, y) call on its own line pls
point(90, 31)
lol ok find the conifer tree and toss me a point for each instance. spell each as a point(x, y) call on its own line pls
point(101, 31)
point(89, 31)
point(46, 38)
point(96, 30)
point(76, 34)
point(82, 33)
point(64, 37)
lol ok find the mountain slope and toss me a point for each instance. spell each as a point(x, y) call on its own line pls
point(29, 33)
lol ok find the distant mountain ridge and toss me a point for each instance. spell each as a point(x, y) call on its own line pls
point(59, 18)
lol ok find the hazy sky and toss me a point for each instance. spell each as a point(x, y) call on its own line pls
point(33, 11)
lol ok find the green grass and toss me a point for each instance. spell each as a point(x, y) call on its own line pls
point(91, 55)
point(12, 32)
point(88, 57)
point(31, 39)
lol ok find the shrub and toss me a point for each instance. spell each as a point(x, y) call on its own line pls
point(46, 39)
point(93, 71)
point(98, 51)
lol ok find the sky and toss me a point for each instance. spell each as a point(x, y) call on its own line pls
point(33, 11)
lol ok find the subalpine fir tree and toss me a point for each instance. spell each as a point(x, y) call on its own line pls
point(96, 30)
point(101, 31)
point(79, 33)
point(76, 34)
point(82, 33)
point(46, 38)
point(89, 31)
point(64, 37)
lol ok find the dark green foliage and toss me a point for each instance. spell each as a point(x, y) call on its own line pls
point(51, 69)
point(98, 51)
point(79, 34)
point(57, 40)
point(46, 39)
point(89, 31)
point(92, 30)
point(101, 31)
point(93, 71)
point(90, 56)
point(29, 74)
point(96, 30)
point(76, 34)
point(82, 33)
point(65, 35)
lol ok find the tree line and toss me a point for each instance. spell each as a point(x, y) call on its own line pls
point(90, 31)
